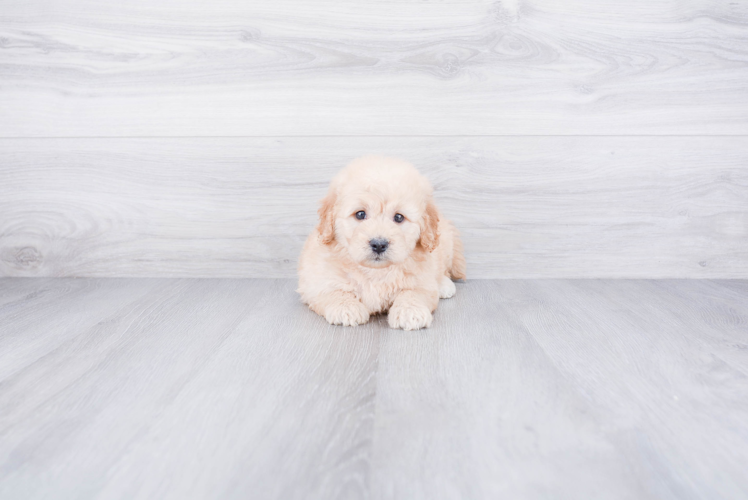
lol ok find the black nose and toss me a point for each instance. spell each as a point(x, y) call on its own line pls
point(379, 245)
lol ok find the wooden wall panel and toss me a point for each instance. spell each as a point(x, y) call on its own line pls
point(84, 68)
point(184, 138)
point(241, 207)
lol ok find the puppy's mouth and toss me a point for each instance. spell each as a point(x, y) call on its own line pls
point(377, 260)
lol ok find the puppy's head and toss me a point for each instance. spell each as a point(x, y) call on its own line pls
point(380, 210)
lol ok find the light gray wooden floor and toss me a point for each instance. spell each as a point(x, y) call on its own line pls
point(219, 388)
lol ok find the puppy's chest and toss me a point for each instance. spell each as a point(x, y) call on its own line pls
point(377, 291)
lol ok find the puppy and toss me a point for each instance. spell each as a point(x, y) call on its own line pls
point(381, 245)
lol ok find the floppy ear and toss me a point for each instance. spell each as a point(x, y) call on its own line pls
point(326, 213)
point(430, 227)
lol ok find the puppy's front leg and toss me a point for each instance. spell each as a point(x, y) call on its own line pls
point(412, 309)
point(340, 308)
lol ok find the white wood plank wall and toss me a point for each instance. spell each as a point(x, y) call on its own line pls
point(186, 138)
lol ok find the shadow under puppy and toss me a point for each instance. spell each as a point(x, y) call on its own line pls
point(381, 245)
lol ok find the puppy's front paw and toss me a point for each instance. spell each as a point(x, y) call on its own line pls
point(347, 313)
point(410, 317)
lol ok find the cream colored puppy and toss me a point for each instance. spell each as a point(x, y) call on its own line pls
point(380, 246)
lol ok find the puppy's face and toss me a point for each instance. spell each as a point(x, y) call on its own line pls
point(379, 212)
point(377, 232)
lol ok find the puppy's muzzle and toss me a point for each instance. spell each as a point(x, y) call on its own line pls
point(379, 245)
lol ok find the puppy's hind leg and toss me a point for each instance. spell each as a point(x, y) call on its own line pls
point(446, 288)
point(457, 267)
point(340, 308)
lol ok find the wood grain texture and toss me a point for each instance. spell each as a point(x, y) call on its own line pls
point(242, 207)
point(567, 389)
point(291, 67)
point(528, 389)
point(183, 389)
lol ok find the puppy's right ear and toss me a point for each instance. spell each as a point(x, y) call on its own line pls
point(326, 213)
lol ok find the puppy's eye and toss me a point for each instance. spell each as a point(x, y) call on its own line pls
point(361, 215)
point(398, 218)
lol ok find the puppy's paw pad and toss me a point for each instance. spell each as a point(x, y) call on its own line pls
point(348, 313)
point(409, 318)
point(447, 289)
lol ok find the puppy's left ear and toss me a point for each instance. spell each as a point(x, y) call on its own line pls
point(326, 213)
point(430, 227)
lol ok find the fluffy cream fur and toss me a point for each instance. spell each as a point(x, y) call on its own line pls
point(344, 280)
